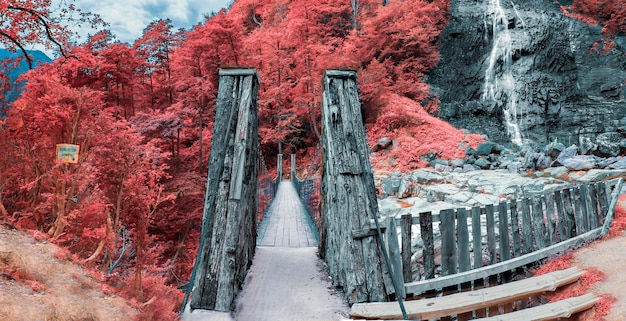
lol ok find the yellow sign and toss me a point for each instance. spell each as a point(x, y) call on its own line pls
point(68, 153)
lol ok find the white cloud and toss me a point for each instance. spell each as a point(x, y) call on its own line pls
point(128, 18)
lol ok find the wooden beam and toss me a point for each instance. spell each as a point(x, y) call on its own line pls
point(552, 311)
point(611, 208)
point(468, 301)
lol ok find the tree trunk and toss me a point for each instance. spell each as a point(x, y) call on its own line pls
point(3, 211)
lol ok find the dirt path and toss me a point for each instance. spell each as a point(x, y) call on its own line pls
point(608, 256)
point(38, 281)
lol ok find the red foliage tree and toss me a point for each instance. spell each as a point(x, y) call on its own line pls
point(36, 22)
point(610, 14)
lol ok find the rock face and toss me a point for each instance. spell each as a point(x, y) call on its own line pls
point(522, 71)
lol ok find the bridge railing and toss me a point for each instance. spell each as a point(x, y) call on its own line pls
point(308, 188)
point(266, 188)
point(492, 241)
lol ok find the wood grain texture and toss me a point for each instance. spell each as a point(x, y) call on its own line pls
point(419, 287)
point(228, 237)
point(468, 301)
point(552, 311)
point(348, 199)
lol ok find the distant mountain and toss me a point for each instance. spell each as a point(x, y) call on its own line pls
point(15, 71)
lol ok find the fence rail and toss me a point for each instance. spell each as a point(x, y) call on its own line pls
point(482, 242)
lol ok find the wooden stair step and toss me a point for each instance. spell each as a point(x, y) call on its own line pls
point(552, 311)
point(467, 301)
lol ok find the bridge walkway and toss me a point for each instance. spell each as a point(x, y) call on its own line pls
point(287, 280)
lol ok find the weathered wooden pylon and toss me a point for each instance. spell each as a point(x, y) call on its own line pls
point(228, 238)
point(347, 242)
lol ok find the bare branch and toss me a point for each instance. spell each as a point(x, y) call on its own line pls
point(19, 45)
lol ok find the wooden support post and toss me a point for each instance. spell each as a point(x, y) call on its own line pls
point(503, 224)
point(551, 218)
point(603, 200)
point(592, 206)
point(517, 238)
point(279, 169)
point(349, 194)
point(527, 232)
point(449, 257)
point(394, 255)
point(293, 168)
point(428, 251)
point(580, 219)
point(611, 206)
point(491, 234)
point(569, 214)
point(405, 226)
point(463, 240)
point(538, 222)
point(560, 213)
point(477, 244)
point(228, 236)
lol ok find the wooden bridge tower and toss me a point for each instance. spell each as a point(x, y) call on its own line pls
point(348, 243)
point(228, 237)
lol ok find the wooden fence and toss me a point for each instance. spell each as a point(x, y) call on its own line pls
point(493, 240)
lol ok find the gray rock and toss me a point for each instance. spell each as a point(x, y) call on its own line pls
point(587, 145)
point(485, 148)
point(438, 193)
point(390, 185)
point(457, 162)
point(542, 162)
point(461, 198)
point(606, 162)
point(482, 163)
point(596, 175)
point(553, 149)
point(535, 160)
point(443, 168)
point(579, 162)
point(426, 176)
point(470, 167)
point(383, 143)
point(619, 164)
point(556, 171)
point(609, 144)
point(484, 199)
point(514, 167)
point(438, 161)
point(569, 152)
point(406, 188)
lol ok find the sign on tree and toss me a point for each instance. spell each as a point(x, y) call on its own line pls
point(68, 153)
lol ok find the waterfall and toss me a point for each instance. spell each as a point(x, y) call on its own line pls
point(499, 85)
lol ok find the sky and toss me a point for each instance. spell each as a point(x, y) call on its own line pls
point(128, 18)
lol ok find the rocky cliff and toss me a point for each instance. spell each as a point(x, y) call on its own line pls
point(522, 71)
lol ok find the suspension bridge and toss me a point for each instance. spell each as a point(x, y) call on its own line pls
point(274, 249)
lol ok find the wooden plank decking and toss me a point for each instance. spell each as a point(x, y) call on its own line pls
point(287, 280)
point(286, 223)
